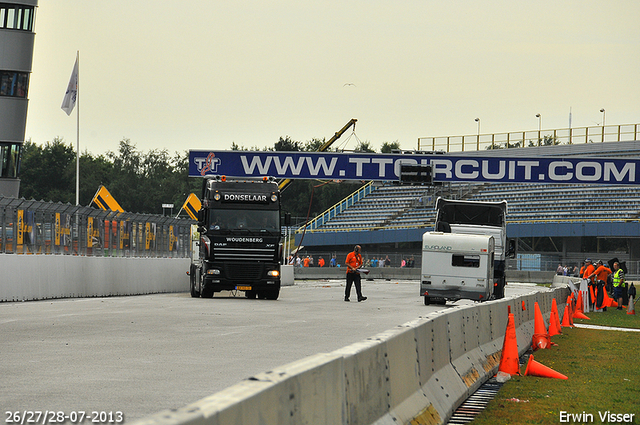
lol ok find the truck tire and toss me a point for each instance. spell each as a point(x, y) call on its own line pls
point(272, 294)
point(206, 292)
point(194, 275)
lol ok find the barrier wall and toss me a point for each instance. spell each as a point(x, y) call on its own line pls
point(420, 371)
point(407, 273)
point(37, 277)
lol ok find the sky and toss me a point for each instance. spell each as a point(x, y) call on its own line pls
point(205, 74)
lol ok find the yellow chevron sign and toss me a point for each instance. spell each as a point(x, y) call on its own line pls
point(192, 205)
point(105, 201)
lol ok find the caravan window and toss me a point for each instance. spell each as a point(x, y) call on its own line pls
point(458, 260)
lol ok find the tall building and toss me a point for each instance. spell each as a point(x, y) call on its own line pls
point(17, 19)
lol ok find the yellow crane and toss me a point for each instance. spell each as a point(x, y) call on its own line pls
point(285, 182)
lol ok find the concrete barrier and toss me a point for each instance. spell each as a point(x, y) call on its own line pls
point(407, 273)
point(319, 273)
point(286, 276)
point(37, 277)
point(419, 372)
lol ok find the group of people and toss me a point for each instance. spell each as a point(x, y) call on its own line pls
point(304, 262)
point(568, 271)
point(375, 262)
point(308, 261)
point(602, 280)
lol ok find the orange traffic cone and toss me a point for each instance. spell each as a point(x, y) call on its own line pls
point(535, 368)
point(571, 308)
point(579, 303)
point(631, 309)
point(593, 295)
point(580, 315)
point(509, 359)
point(554, 307)
point(606, 300)
point(554, 329)
point(540, 335)
point(524, 308)
point(565, 318)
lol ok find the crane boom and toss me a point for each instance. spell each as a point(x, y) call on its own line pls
point(285, 182)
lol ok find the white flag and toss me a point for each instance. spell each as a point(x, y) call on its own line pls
point(70, 97)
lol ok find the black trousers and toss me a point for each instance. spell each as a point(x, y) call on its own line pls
point(600, 295)
point(353, 278)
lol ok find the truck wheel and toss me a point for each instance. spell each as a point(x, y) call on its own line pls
point(194, 274)
point(207, 292)
point(272, 294)
point(427, 300)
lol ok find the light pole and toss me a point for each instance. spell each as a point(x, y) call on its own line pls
point(478, 137)
point(603, 117)
point(539, 127)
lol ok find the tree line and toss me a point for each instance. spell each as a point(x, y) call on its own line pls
point(142, 181)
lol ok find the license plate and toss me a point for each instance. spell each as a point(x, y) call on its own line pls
point(243, 288)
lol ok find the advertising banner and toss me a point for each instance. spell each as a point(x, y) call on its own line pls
point(386, 167)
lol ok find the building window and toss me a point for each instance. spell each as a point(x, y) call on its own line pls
point(9, 159)
point(16, 17)
point(14, 84)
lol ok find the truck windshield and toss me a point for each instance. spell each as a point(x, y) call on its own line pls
point(262, 221)
point(483, 215)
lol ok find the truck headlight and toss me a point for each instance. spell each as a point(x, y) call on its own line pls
point(273, 273)
point(213, 271)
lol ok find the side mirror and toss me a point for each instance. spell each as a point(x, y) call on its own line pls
point(201, 221)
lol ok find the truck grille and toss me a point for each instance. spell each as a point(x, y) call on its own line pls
point(244, 271)
point(249, 254)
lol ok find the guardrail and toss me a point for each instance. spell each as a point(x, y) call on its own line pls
point(419, 372)
point(521, 139)
point(338, 208)
point(43, 228)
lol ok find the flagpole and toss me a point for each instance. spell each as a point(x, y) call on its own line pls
point(78, 131)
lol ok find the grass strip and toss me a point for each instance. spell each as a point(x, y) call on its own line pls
point(603, 372)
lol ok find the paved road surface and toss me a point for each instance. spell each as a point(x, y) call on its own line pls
point(143, 354)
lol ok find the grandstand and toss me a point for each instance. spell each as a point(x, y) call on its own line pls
point(388, 214)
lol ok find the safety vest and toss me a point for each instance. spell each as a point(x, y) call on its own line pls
point(618, 278)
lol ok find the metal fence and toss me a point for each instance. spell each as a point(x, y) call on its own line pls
point(47, 228)
point(521, 139)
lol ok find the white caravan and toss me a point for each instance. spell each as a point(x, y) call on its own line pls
point(457, 266)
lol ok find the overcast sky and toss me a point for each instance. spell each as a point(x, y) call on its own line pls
point(203, 74)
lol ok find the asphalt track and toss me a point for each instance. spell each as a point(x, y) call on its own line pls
point(143, 354)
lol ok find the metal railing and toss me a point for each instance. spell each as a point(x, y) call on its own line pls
point(338, 208)
point(32, 227)
point(521, 139)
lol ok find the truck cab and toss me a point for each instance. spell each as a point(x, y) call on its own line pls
point(240, 239)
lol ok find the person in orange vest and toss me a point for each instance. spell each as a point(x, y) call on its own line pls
point(306, 262)
point(586, 270)
point(601, 274)
point(320, 262)
point(353, 263)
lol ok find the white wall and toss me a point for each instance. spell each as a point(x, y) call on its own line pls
point(36, 277)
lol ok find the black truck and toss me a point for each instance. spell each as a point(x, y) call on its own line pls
point(240, 239)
